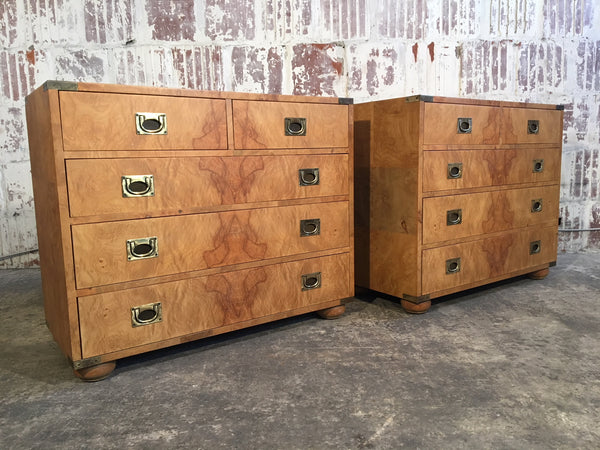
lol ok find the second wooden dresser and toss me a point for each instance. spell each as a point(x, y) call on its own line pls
point(454, 193)
point(169, 215)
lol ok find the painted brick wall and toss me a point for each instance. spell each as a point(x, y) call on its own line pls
point(541, 51)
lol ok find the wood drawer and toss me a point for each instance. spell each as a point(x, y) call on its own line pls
point(487, 212)
point(442, 123)
point(95, 121)
point(487, 258)
point(461, 169)
point(203, 303)
point(259, 125)
point(531, 126)
point(200, 241)
point(99, 186)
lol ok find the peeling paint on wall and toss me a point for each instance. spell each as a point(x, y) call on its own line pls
point(521, 50)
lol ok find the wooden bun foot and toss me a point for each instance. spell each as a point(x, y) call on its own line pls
point(332, 313)
point(539, 274)
point(96, 373)
point(415, 308)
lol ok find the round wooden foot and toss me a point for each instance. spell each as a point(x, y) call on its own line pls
point(332, 313)
point(96, 373)
point(415, 308)
point(539, 274)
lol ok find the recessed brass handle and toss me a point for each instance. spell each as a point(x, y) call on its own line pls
point(535, 247)
point(142, 248)
point(146, 314)
point(454, 217)
point(533, 126)
point(311, 281)
point(536, 205)
point(310, 227)
point(308, 177)
point(295, 126)
point(538, 165)
point(151, 123)
point(137, 186)
point(455, 170)
point(465, 125)
point(452, 266)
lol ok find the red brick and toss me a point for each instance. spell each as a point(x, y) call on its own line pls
point(8, 22)
point(315, 71)
point(287, 18)
point(17, 73)
point(257, 70)
point(81, 66)
point(109, 20)
point(230, 21)
point(171, 20)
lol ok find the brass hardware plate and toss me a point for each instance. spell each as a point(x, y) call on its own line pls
point(310, 227)
point(88, 362)
point(455, 170)
point(452, 266)
point(536, 205)
point(308, 177)
point(454, 217)
point(465, 125)
point(295, 126)
point(150, 123)
point(142, 248)
point(535, 247)
point(137, 186)
point(533, 126)
point(538, 165)
point(311, 281)
point(146, 314)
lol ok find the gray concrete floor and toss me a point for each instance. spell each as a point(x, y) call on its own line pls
point(512, 366)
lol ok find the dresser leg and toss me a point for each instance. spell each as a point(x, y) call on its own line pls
point(415, 308)
point(539, 274)
point(332, 313)
point(97, 372)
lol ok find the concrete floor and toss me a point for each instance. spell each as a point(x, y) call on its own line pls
point(512, 366)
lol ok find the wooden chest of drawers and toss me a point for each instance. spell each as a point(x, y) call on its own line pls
point(167, 215)
point(453, 194)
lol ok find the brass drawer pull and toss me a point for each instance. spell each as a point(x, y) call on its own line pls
point(533, 126)
point(536, 205)
point(454, 217)
point(452, 266)
point(535, 247)
point(146, 314)
point(311, 281)
point(295, 126)
point(137, 185)
point(455, 170)
point(308, 177)
point(310, 227)
point(465, 125)
point(538, 165)
point(151, 123)
point(142, 248)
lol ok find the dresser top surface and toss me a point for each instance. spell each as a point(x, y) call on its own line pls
point(470, 101)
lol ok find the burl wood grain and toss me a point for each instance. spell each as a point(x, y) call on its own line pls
point(199, 241)
point(93, 121)
point(441, 124)
point(193, 182)
point(482, 168)
point(260, 125)
point(488, 212)
point(514, 126)
point(205, 303)
point(487, 258)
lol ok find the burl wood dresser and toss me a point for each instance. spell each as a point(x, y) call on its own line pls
point(452, 194)
point(169, 215)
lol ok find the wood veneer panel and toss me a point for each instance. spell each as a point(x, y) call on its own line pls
point(208, 302)
point(515, 126)
point(441, 124)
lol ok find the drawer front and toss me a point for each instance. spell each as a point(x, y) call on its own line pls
point(119, 320)
point(531, 126)
point(94, 121)
point(113, 252)
point(462, 169)
point(259, 125)
point(159, 185)
point(458, 216)
point(460, 124)
point(456, 265)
